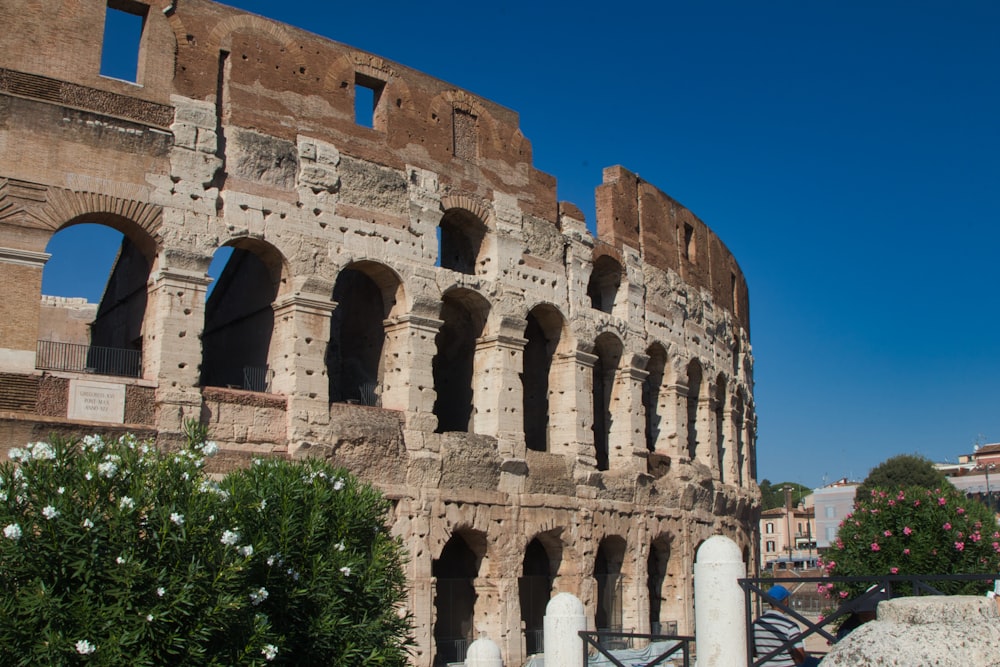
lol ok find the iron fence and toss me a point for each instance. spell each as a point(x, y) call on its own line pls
point(605, 641)
point(886, 587)
point(257, 378)
point(55, 356)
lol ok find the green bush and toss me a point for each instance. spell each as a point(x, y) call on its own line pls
point(914, 530)
point(114, 553)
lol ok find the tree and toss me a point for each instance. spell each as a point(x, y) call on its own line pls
point(914, 530)
point(901, 471)
point(115, 553)
point(773, 495)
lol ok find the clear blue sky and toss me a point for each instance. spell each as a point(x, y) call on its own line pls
point(847, 152)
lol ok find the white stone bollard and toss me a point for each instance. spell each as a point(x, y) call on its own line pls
point(483, 653)
point(720, 624)
point(564, 619)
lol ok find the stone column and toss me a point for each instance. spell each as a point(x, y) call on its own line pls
point(676, 418)
point(297, 357)
point(21, 275)
point(571, 407)
point(171, 347)
point(627, 443)
point(497, 392)
point(408, 383)
point(719, 604)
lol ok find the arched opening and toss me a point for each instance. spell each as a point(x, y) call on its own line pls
point(605, 279)
point(608, 350)
point(656, 582)
point(357, 335)
point(738, 432)
point(534, 591)
point(463, 316)
point(694, 378)
point(460, 240)
point(720, 426)
point(239, 317)
point(608, 577)
point(542, 333)
point(94, 295)
point(651, 387)
point(455, 572)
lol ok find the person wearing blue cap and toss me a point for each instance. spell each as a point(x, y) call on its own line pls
point(774, 629)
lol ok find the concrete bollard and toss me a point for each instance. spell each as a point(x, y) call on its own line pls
point(564, 619)
point(483, 653)
point(720, 627)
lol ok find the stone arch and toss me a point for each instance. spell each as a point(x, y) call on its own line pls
point(739, 443)
point(665, 576)
point(545, 335)
point(604, 283)
point(539, 567)
point(462, 235)
point(239, 316)
point(608, 349)
point(695, 388)
point(366, 294)
point(455, 571)
point(722, 454)
point(608, 562)
point(653, 395)
point(463, 316)
point(111, 343)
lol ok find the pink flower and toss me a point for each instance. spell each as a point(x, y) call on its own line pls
point(916, 503)
point(942, 501)
point(907, 530)
point(892, 503)
point(961, 510)
point(843, 594)
point(906, 552)
point(996, 547)
point(875, 546)
point(975, 537)
point(894, 570)
point(960, 546)
point(947, 525)
point(888, 533)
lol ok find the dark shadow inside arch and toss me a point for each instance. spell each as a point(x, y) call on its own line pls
point(693, 399)
point(357, 335)
point(608, 577)
point(454, 600)
point(534, 591)
point(651, 388)
point(460, 240)
point(605, 279)
point(239, 321)
point(542, 334)
point(720, 426)
point(609, 351)
point(463, 318)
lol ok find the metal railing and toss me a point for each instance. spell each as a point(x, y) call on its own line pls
point(596, 641)
point(887, 586)
point(257, 378)
point(54, 356)
point(534, 641)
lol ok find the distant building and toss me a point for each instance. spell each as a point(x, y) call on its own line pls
point(787, 537)
point(831, 504)
point(972, 474)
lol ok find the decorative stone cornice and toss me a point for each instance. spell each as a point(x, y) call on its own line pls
point(23, 257)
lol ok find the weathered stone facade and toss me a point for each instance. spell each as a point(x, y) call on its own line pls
point(549, 411)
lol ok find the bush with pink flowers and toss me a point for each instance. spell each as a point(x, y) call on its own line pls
point(914, 530)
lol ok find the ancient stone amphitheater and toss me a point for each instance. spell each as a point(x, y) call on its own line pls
point(548, 410)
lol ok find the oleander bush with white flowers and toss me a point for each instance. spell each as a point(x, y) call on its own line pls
point(115, 553)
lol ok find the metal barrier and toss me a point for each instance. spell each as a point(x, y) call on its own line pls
point(596, 641)
point(54, 356)
point(257, 378)
point(916, 584)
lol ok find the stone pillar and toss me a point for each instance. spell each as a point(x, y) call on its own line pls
point(564, 620)
point(721, 631)
point(571, 407)
point(676, 418)
point(627, 441)
point(21, 275)
point(497, 392)
point(297, 357)
point(171, 347)
point(408, 384)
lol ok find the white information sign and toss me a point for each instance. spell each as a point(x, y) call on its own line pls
point(97, 401)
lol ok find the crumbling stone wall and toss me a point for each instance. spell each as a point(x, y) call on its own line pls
point(603, 423)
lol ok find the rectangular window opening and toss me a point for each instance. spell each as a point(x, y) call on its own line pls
point(689, 247)
point(367, 95)
point(121, 49)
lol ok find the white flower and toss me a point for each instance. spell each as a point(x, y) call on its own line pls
point(3, 496)
point(258, 596)
point(93, 442)
point(149, 617)
point(161, 591)
point(346, 571)
point(12, 531)
point(16, 453)
point(88, 524)
point(120, 560)
point(210, 448)
point(177, 518)
point(42, 450)
point(276, 558)
point(61, 490)
point(126, 503)
point(338, 484)
point(246, 551)
point(230, 537)
point(293, 574)
point(270, 652)
point(88, 476)
point(50, 512)
point(339, 546)
point(107, 469)
point(263, 504)
point(83, 647)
